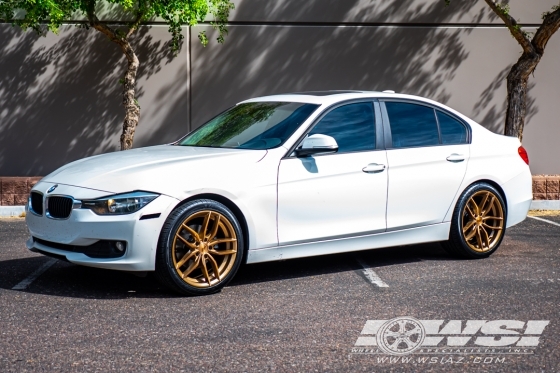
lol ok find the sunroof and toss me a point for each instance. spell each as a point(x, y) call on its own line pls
point(322, 93)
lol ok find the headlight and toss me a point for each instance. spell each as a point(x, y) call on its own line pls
point(120, 204)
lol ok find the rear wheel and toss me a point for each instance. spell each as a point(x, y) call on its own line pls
point(200, 248)
point(478, 224)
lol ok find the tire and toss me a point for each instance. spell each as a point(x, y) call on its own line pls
point(478, 224)
point(200, 248)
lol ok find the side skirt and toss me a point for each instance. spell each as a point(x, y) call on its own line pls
point(430, 233)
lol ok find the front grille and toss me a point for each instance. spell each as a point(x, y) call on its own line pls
point(101, 249)
point(59, 207)
point(37, 203)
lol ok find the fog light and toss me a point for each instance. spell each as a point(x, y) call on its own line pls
point(120, 246)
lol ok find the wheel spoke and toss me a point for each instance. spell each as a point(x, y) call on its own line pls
point(205, 270)
point(214, 265)
point(485, 237)
point(191, 231)
point(215, 227)
point(402, 326)
point(468, 226)
point(407, 341)
point(396, 342)
point(483, 203)
point(485, 211)
point(204, 227)
point(185, 259)
point(222, 240)
point(487, 226)
point(492, 217)
point(479, 238)
point(189, 244)
point(416, 330)
point(471, 213)
point(222, 252)
point(471, 234)
point(194, 265)
point(390, 333)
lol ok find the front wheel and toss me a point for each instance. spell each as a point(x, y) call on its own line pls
point(478, 224)
point(200, 248)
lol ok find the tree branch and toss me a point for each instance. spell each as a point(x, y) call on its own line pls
point(112, 34)
point(551, 23)
point(512, 25)
point(135, 24)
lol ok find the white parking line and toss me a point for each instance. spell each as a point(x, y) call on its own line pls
point(545, 220)
point(371, 275)
point(32, 277)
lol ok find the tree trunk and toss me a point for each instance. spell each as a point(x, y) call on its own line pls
point(517, 80)
point(131, 107)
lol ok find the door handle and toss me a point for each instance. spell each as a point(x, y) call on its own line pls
point(456, 158)
point(374, 168)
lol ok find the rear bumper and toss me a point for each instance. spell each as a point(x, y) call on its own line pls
point(519, 194)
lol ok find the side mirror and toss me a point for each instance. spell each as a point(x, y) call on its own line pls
point(316, 144)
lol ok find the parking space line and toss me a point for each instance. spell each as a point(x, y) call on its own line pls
point(32, 277)
point(545, 220)
point(371, 275)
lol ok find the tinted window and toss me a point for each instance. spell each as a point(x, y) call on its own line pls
point(412, 125)
point(352, 126)
point(452, 131)
point(254, 125)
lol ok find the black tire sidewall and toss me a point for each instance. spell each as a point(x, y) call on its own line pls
point(457, 241)
point(164, 260)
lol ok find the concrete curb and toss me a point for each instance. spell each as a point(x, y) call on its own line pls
point(9, 211)
point(545, 205)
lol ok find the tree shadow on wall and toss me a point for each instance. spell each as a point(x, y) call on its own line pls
point(494, 119)
point(263, 60)
point(60, 97)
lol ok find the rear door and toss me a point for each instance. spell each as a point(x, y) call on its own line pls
point(427, 154)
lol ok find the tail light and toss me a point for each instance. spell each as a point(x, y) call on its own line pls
point(523, 154)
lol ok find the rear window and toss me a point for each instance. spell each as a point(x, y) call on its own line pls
point(452, 131)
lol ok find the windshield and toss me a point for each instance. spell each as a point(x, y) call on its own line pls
point(254, 125)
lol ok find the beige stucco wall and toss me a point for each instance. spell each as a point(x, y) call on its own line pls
point(56, 107)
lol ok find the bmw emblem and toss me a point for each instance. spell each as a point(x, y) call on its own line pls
point(51, 189)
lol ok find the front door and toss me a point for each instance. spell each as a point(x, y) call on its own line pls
point(340, 194)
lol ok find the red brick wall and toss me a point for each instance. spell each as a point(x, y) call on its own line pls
point(546, 187)
point(15, 190)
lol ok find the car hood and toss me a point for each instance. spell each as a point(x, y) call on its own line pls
point(159, 168)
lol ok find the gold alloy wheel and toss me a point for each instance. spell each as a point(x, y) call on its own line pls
point(483, 221)
point(204, 249)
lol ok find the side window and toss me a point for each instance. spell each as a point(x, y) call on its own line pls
point(452, 131)
point(352, 126)
point(412, 125)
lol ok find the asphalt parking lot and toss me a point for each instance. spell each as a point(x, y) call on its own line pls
point(302, 315)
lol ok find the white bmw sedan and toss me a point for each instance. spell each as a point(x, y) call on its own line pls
point(283, 177)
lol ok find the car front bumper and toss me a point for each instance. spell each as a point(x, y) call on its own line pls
point(84, 228)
